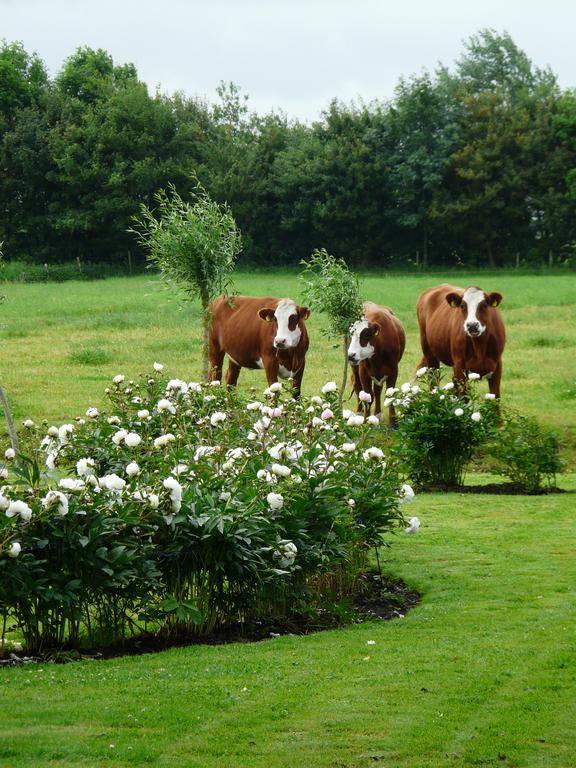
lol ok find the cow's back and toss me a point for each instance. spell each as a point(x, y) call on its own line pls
point(239, 330)
point(438, 321)
point(392, 338)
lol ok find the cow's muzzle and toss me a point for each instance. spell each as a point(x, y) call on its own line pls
point(353, 360)
point(473, 329)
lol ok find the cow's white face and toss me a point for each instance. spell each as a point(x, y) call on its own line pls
point(361, 335)
point(475, 307)
point(287, 316)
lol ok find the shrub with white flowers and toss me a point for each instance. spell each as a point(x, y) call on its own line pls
point(179, 510)
point(439, 429)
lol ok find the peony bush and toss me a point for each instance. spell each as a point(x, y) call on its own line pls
point(438, 428)
point(184, 507)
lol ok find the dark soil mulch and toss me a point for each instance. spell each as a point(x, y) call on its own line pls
point(375, 598)
point(504, 489)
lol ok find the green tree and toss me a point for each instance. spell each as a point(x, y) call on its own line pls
point(330, 287)
point(195, 245)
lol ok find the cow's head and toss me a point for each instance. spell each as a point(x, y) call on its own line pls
point(475, 306)
point(362, 334)
point(288, 317)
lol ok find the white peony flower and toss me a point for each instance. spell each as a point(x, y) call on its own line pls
point(374, 420)
point(275, 413)
point(473, 376)
point(163, 440)
point(193, 386)
point(84, 466)
point(316, 422)
point(179, 469)
point(71, 484)
point(158, 367)
point(204, 450)
point(355, 421)
point(143, 413)
point(113, 420)
point(172, 485)
point(92, 413)
point(165, 405)
point(391, 391)
point(346, 413)
point(285, 554)
point(348, 447)
point(330, 386)
point(118, 379)
point(132, 469)
point(275, 387)
point(489, 396)
point(64, 432)
point(9, 454)
point(415, 389)
point(15, 549)
point(253, 406)
point(132, 439)
point(119, 436)
point(407, 493)
point(414, 524)
point(53, 431)
point(421, 371)
point(177, 385)
point(365, 397)
point(28, 423)
point(458, 412)
point(476, 416)
point(275, 500)
point(281, 470)
point(449, 385)
point(406, 387)
point(57, 501)
point(317, 400)
point(217, 418)
point(351, 503)
point(112, 482)
point(19, 508)
point(372, 453)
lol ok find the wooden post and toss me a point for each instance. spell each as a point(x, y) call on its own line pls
point(9, 422)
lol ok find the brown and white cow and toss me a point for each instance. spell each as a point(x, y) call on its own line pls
point(255, 333)
point(462, 328)
point(376, 347)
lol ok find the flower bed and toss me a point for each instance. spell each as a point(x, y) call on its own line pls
point(183, 508)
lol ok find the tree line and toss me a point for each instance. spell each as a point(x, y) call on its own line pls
point(472, 165)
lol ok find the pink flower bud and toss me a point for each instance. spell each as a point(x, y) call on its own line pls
point(365, 397)
point(327, 414)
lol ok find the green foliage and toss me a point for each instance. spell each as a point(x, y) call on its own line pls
point(527, 453)
point(183, 508)
point(328, 286)
point(439, 428)
point(194, 245)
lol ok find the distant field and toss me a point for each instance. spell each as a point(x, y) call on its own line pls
point(61, 343)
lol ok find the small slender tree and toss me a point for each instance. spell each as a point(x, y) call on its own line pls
point(194, 244)
point(330, 287)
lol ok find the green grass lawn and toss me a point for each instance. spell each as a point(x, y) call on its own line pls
point(481, 673)
point(61, 343)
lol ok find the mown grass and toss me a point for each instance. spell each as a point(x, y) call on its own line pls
point(61, 343)
point(482, 672)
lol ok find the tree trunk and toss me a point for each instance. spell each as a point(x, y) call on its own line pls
point(425, 247)
point(205, 335)
point(346, 344)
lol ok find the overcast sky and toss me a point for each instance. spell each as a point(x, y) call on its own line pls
point(288, 54)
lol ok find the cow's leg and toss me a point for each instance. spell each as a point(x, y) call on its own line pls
point(357, 386)
point(366, 382)
point(216, 357)
point(429, 360)
point(232, 374)
point(297, 382)
point(271, 369)
point(495, 379)
point(459, 377)
point(391, 382)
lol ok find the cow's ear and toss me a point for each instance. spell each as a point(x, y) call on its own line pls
point(494, 299)
point(266, 314)
point(303, 313)
point(454, 299)
point(375, 328)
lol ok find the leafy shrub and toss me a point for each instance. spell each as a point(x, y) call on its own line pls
point(25, 272)
point(184, 508)
point(439, 429)
point(90, 356)
point(527, 453)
